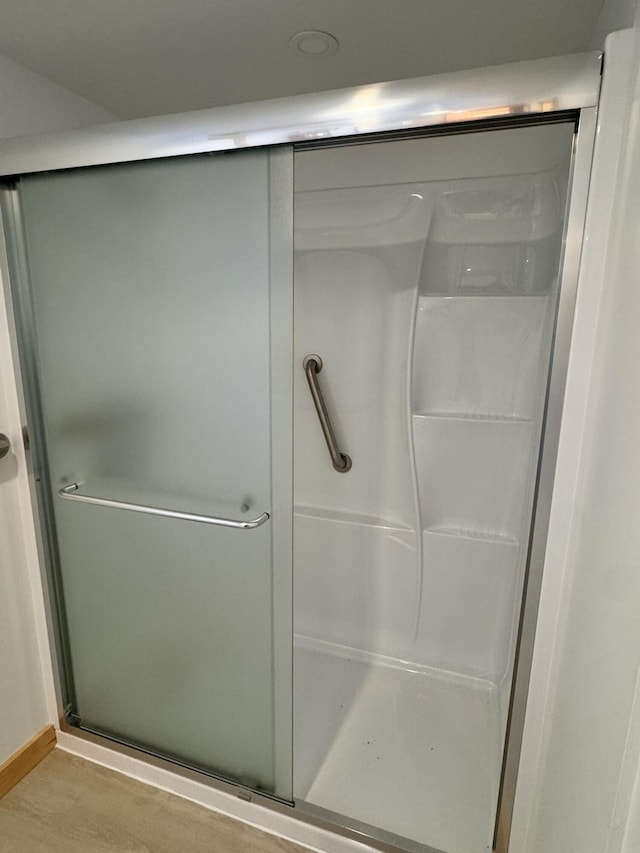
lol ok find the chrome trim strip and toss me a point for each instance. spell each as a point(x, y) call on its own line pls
point(575, 222)
point(281, 392)
point(519, 88)
point(366, 833)
point(70, 493)
point(15, 274)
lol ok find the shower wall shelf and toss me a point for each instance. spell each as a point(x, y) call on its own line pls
point(475, 535)
point(474, 576)
point(479, 355)
point(473, 416)
point(472, 473)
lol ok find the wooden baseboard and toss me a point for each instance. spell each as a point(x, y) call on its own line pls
point(25, 759)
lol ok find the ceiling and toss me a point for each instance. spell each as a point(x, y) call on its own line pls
point(148, 57)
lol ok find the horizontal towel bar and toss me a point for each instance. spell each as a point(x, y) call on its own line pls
point(70, 493)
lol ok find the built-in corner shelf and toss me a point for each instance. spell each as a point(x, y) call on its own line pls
point(479, 355)
point(475, 535)
point(472, 470)
point(474, 416)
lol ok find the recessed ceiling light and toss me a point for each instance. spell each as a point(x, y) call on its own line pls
point(314, 44)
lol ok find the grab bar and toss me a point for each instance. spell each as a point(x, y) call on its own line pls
point(312, 365)
point(69, 493)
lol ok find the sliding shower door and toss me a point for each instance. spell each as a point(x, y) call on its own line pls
point(427, 282)
point(160, 325)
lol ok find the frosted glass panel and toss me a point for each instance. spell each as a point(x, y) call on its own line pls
point(151, 290)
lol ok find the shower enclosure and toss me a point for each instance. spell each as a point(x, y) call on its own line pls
point(292, 441)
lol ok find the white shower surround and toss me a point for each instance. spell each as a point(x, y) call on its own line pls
point(409, 568)
point(471, 414)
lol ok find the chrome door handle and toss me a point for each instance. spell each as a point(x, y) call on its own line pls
point(70, 493)
point(5, 445)
point(312, 365)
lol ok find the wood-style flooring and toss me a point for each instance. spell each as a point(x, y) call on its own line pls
point(69, 805)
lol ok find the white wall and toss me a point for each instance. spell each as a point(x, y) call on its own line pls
point(28, 104)
point(579, 789)
point(22, 702)
point(614, 15)
point(31, 104)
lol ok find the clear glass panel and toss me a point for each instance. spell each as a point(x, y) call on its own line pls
point(151, 294)
point(431, 302)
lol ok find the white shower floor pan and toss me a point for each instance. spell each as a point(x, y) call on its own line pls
point(413, 751)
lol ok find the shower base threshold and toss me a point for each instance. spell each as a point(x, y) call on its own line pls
point(415, 752)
